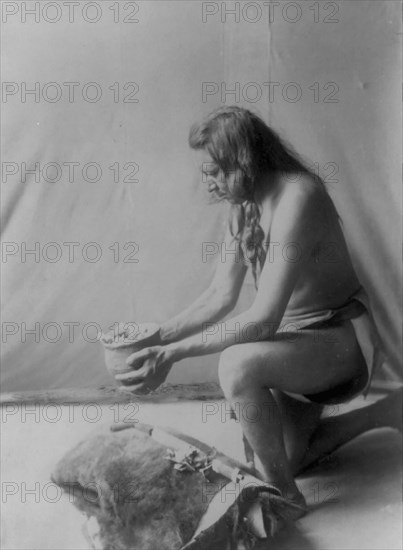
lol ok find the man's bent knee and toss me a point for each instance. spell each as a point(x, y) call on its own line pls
point(235, 371)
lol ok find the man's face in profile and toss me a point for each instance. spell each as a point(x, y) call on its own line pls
point(212, 178)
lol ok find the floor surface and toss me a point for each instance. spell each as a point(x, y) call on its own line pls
point(355, 499)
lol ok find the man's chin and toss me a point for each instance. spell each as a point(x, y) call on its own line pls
point(214, 197)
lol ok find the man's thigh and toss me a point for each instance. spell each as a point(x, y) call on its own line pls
point(307, 361)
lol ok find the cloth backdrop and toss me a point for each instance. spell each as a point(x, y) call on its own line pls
point(325, 75)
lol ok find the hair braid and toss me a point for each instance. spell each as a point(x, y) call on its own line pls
point(250, 235)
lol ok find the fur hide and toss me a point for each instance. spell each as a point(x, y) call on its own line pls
point(142, 502)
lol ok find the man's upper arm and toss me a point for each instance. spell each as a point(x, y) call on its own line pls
point(294, 232)
point(230, 271)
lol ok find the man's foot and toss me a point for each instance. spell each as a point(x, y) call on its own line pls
point(293, 495)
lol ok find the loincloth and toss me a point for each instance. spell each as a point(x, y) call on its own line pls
point(357, 311)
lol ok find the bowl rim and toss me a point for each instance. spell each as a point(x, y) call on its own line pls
point(153, 327)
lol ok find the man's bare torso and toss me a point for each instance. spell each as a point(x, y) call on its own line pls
point(327, 278)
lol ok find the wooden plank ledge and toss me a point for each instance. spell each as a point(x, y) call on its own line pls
point(165, 394)
point(111, 394)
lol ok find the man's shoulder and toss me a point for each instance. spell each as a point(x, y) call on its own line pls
point(301, 184)
point(302, 191)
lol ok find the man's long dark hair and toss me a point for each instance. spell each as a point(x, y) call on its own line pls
point(243, 147)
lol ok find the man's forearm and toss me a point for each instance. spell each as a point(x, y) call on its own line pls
point(215, 337)
point(208, 308)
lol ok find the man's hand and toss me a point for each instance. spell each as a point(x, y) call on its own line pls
point(150, 367)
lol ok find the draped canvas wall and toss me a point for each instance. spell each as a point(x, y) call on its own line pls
point(346, 71)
